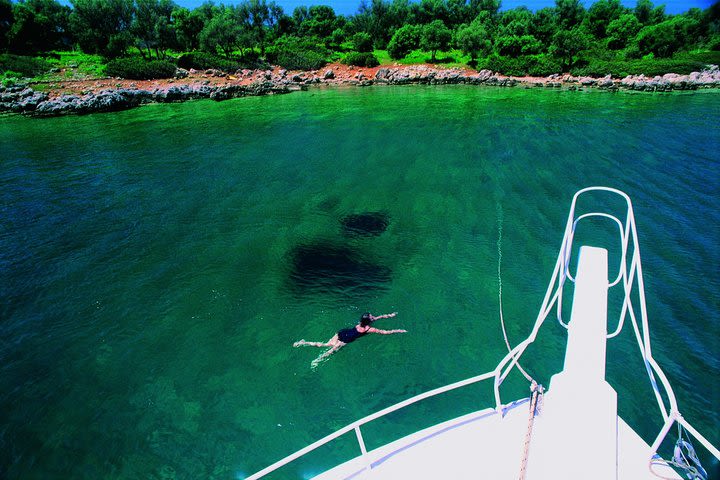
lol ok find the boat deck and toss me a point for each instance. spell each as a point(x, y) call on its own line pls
point(485, 444)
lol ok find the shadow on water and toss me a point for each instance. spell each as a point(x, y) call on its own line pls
point(369, 224)
point(334, 269)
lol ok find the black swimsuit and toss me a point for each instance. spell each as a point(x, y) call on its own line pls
point(347, 335)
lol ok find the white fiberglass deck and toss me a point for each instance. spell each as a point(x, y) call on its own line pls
point(577, 434)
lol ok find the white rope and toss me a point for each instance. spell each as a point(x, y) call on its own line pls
point(499, 278)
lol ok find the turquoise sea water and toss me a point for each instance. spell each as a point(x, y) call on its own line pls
point(156, 266)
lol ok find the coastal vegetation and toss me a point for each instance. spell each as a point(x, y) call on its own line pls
point(44, 39)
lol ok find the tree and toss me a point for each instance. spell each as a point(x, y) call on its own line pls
point(362, 42)
point(600, 14)
point(473, 40)
point(569, 13)
point(222, 32)
point(38, 26)
point(668, 37)
point(476, 6)
point(544, 25)
point(152, 26)
point(188, 25)
point(103, 26)
point(566, 44)
point(404, 40)
point(643, 11)
point(6, 21)
point(259, 16)
point(621, 30)
point(435, 36)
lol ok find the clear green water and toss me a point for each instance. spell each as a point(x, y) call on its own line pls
point(150, 297)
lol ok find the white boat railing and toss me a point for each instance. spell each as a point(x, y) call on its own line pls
point(553, 298)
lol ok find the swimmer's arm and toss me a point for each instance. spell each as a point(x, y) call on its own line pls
point(385, 332)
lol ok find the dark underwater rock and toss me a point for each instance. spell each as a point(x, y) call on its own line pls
point(368, 224)
point(328, 268)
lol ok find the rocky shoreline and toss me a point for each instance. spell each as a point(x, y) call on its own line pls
point(106, 95)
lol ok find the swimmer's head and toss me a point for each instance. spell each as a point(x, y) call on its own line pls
point(366, 319)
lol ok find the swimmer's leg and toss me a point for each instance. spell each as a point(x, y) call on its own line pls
point(301, 343)
point(330, 343)
point(326, 354)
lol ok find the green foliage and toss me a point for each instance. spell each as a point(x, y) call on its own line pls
point(570, 13)
point(668, 37)
point(222, 32)
point(473, 39)
point(362, 42)
point(648, 67)
point(600, 14)
point(514, 45)
point(534, 65)
point(360, 59)
point(404, 40)
point(299, 60)
point(136, 68)
point(204, 61)
point(296, 53)
point(622, 30)
point(152, 27)
point(103, 26)
point(566, 44)
point(38, 26)
point(25, 66)
point(435, 36)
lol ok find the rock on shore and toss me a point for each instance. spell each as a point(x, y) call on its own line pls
point(218, 86)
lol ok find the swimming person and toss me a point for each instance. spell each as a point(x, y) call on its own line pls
point(347, 335)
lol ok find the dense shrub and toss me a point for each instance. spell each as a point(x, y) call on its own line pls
point(138, 69)
point(27, 66)
point(534, 65)
point(650, 67)
point(404, 40)
point(298, 60)
point(360, 59)
point(204, 61)
point(297, 54)
point(362, 42)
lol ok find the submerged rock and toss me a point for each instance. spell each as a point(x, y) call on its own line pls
point(369, 224)
point(328, 268)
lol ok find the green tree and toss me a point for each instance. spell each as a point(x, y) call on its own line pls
point(600, 14)
point(476, 6)
point(666, 38)
point(516, 45)
point(6, 21)
point(435, 36)
point(621, 30)
point(362, 42)
point(260, 16)
point(473, 40)
point(38, 26)
point(222, 32)
point(569, 13)
point(152, 26)
point(643, 11)
point(103, 26)
point(544, 25)
point(188, 25)
point(320, 22)
point(404, 40)
point(566, 44)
